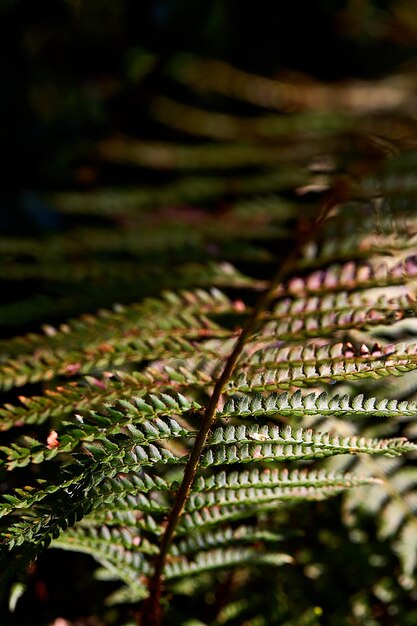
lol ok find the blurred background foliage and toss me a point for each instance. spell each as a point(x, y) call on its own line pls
point(99, 100)
point(130, 161)
point(72, 71)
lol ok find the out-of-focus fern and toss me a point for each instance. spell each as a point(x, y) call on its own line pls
point(93, 455)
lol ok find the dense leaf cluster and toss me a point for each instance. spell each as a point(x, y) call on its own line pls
point(321, 401)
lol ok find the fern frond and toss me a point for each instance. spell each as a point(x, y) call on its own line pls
point(123, 439)
point(224, 537)
point(224, 127)
point(173, 310)
point(180, 447)
point(77, 397)
point(210, 517)
point(168, 156)
point(97, 430)
point(189, 189)
point(105, 538)
point(103, 516)
point(393, 504)
point(222, 78)
point(296, 404)
point(405, 546)
point(127, 565)
point(243, 444)
point(127, 561)
point(271, 478)
point(102, 454)
point(91, 343)
point(351, 276)
point(220, 559)
point(302, 366)
point(41, 367)
point(342, 248)
point(320, 316)
point(260, 494)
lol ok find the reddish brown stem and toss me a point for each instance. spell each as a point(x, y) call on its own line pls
point(152, 614)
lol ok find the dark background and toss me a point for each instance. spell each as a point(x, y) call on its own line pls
point(69, 69)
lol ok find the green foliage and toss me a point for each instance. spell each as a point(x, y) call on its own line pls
point(92, 456)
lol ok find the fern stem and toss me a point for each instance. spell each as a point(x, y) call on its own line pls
point(152, 614)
